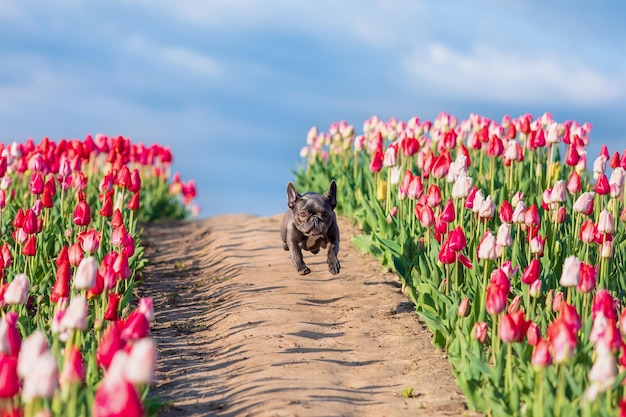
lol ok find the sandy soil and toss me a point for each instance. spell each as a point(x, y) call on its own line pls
point(240, 333)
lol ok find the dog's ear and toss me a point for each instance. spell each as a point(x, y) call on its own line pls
point(332, 194)
point(292, 196)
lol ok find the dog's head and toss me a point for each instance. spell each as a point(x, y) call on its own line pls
point(313, 213)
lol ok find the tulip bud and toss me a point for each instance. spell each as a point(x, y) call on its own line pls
point(479, 332)
point(535, 289)
point(464, 307)
point(557, 301)
point(515, 304)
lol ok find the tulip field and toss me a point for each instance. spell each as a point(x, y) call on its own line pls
point(508, 236)
point(74, 341)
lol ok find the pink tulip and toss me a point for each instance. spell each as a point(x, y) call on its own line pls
point(541, 357)
point(17, 291)
point(584, 203)
point(462, 186)
point(562, 340)
point(574, 184)
point(85, 277)
point(479, 331)
point(10, 337)
point(588, 231)
point(75, 317)
point(588, 276)
point(89, 241)
point(570, 316)
point(605, 222)
point(532, 217)
point(535, 289)
point(146, 308)
point(74, 368)
point(602, 374)
point(75, 254)
point(41, 381)
point(519, 214)
point(570, 277)
point(487, 247)
point(140, 365)
point(433, 197)
point(496, 299)
point(533, 334)
point(116, 397)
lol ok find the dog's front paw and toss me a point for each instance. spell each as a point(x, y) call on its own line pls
point(304, 270)
point(334, 266)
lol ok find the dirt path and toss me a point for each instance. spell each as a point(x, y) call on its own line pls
point(240, 333)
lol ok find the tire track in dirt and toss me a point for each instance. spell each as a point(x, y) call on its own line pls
point(240, 333)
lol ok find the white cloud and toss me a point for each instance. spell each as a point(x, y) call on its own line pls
point(511, 77)
point(175, 56)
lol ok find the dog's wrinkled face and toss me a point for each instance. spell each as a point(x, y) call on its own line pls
point(313, 213)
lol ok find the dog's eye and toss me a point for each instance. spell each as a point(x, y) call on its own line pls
point(302, 214)
point(325, 214)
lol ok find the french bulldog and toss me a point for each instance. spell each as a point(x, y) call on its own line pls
point(310, 224)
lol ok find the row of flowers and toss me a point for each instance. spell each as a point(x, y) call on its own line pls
point(510, 241)
point(73, 339)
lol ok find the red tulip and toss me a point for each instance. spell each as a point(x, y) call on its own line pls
point(61, 287)
point(135, 181)
point(107, 207)
point(532, 217)
point(457, 241)
point(30, 247)
point(604, 303)
point(112, 307)
point(513, 327)
point(602, 185)
point(532, 272)
point(117, 219)
point(433, 196)
point(441, 165)
point(506, 212)
point(117, 399)
point(110, 343)
point(135, 327)
point(36, 184)
point(123, 178)
point(82, 214)
point(570, 316)
point(446, 255)
point(133, 203)
point(496, 299)
point(9, 382)
point(75, 254)
point(376, 164)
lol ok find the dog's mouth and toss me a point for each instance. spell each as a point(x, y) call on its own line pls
point(314, 227)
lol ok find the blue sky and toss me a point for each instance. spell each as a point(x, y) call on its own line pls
point(233, 86)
